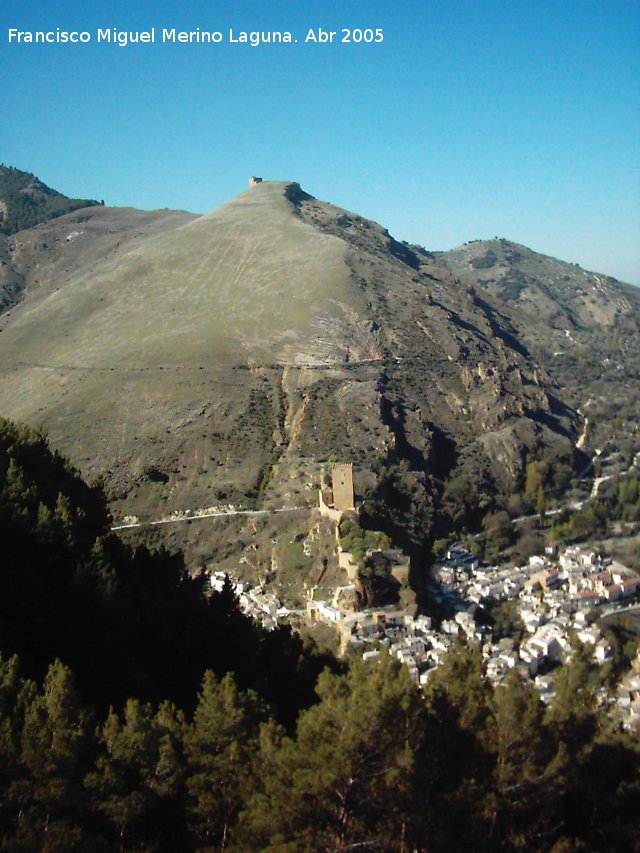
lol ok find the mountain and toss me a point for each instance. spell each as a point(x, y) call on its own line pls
point(549, 292)
point(552, 291)
point(25, 201)
point(583, 327)
point(191, 361)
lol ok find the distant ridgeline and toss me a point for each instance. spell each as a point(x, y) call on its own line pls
point(25, 201)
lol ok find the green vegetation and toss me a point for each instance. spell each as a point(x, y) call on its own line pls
point(326, 432)
point(129, 622)
point(499, 534)
point(401, 505)
point(256, 424)
point(375, 585)
point(30, 202)
point(357, 540)
point(253, 432)
point(484, 261)
point(622, 632)
point(595, 519)
point(136, 713)
point(373, 763)
point(505, 621)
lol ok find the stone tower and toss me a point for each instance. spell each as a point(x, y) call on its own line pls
point(342, 480)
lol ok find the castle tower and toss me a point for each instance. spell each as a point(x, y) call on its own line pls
point(342, 480)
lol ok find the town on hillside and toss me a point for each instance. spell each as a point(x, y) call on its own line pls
point(557, 598)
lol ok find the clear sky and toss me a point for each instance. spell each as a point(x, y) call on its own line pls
point(472, 119)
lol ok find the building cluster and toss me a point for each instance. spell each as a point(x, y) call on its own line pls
point(576, 580)
point(551, 597)
point(265, 607)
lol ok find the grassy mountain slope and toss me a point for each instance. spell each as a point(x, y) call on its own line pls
point(159, 340)
point(226, 358)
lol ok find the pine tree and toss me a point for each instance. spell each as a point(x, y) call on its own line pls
point(347, 778)
point(56, 751)
point(458, 757)
point(137, 783)
point(220, 746)
point(16, 694)
point(519, 716)
point(523, 750)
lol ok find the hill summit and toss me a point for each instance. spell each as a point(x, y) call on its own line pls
point(554, 292)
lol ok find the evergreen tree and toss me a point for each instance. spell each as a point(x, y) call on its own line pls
point(458, 754)
point(56, 751)
point(346, 779)
point(220, 746)
point(16, 695)
point(137, 782)
point(523, 749)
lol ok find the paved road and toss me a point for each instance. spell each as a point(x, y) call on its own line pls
point(596, 483)
point(556, 511)
point(207, 515)
point(635, 465)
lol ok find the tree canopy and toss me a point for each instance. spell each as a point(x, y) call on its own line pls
point(138, 712)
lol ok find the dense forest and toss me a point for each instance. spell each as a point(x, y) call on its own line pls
point(140, 712)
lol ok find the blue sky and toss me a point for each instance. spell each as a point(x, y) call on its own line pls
point(473, 118)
